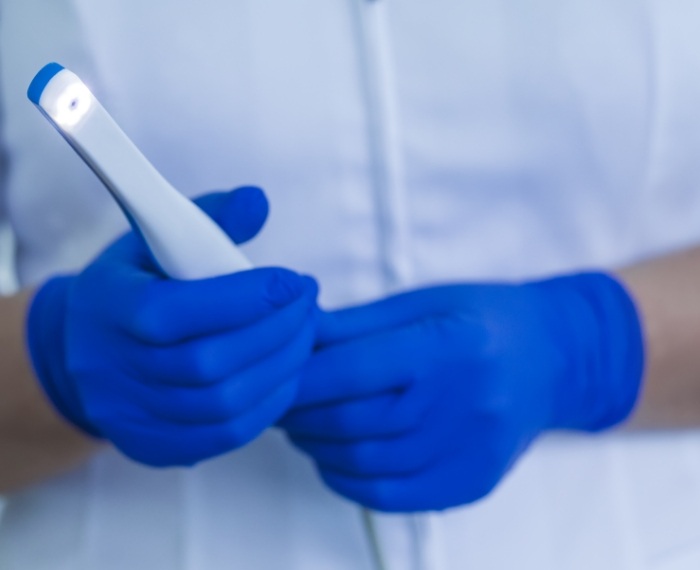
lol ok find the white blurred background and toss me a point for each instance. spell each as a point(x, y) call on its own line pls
point(7, 279)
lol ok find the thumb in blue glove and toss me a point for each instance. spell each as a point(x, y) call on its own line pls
point(174, 372)
point(425, 400)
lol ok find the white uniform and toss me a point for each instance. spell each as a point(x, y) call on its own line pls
point(401, 143)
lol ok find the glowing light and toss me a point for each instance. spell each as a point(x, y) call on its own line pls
point(72, 105)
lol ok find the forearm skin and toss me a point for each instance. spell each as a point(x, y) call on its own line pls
point(36, 443)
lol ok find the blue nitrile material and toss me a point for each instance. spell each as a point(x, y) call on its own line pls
point(41, 80)
point(425, 400)
point(174, 372)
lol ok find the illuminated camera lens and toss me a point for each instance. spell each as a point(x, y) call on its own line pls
point(72, 105)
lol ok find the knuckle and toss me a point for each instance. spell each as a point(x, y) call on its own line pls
point(295, 355)
point(235, 435)
point(244, 429)
point(405, 418)
point(147, 319)
point(227, 400)
point(494, 414)
point(380, 496)
point(490, 466)
point(285, 395)
point(441, 328)
point(480, 487)
point(229, 406)
point(196, 405)
point(97, 415)
point(376, 494)
point(198, 364)
point(411, 461)
point(283, 287)
point(558, 360)
point(403, 422)
point(361, 458)
point(341, 422)
point(460, 336)
point(493, 431)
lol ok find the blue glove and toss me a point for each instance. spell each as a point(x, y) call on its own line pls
point(174, 372)
point(425, 400)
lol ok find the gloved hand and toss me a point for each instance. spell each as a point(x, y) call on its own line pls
point(424, 400)
point(174, 372)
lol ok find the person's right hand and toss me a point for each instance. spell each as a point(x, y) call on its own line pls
point(174, 372)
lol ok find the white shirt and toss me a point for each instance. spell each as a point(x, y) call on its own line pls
point(401, 143)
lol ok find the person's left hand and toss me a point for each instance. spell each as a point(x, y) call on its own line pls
point(424, 400)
